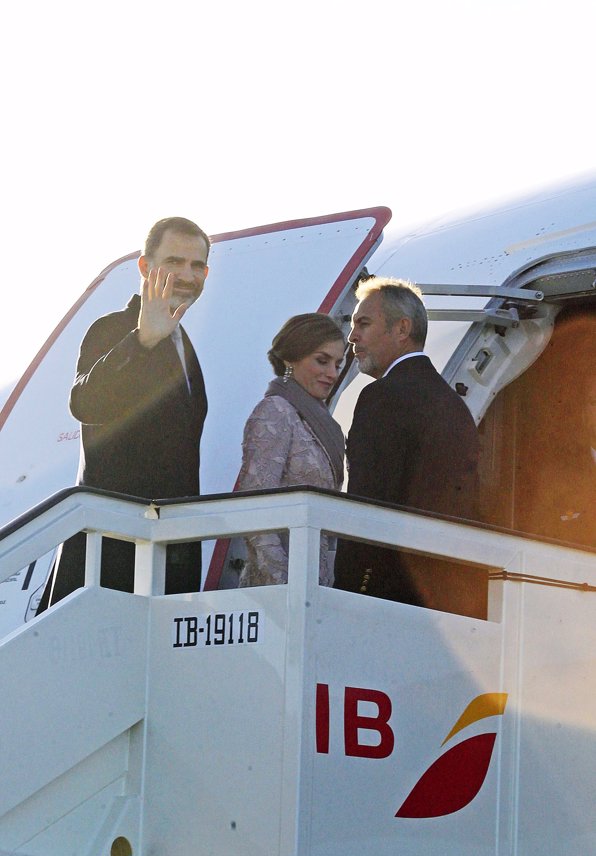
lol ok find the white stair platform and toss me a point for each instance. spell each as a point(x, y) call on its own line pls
point(293, 720)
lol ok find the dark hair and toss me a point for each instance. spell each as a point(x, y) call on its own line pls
point(300, 336)
point(179, 225)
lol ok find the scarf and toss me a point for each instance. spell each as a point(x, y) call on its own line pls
point(318, 419)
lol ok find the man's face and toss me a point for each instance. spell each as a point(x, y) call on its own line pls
point(374, 344)
point(185, 256)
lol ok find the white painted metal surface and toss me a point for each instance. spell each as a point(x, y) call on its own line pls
point(483, 247)
point(248, 721)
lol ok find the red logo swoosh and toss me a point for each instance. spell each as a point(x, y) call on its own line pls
point(452, 781)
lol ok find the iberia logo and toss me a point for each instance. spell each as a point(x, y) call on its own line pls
point(454, 779)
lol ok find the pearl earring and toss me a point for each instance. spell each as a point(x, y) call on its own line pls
point(288, 373)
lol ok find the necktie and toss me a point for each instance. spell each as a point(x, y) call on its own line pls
point(177, 340)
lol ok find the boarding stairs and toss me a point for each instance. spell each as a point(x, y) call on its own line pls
point(294, 720)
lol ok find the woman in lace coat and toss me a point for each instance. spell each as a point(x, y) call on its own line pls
point(290, 437)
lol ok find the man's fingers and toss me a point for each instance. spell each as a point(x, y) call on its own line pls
point(169, 286)
point(151, 284)
point(159, 285)
point(177, 315)
point(160, 282)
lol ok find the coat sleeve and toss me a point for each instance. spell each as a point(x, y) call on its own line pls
point(265, 449)
point(111, 378)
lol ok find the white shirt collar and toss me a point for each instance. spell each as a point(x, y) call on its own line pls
point(404, 357)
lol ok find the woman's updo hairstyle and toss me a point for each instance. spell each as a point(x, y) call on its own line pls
point(300, 336)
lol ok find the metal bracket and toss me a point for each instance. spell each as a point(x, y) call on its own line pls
point(508, 317)
point(504, 292)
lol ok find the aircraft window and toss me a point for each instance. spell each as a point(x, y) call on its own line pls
point(538, 438)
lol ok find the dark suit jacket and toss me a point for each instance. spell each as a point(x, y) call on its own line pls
point(140, 435)
point(413, 442)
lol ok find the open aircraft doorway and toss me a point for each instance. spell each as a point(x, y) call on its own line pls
point(537, 437)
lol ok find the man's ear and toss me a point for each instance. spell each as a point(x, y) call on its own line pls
point(403, 328)
point(144, 266)
point(206, 271)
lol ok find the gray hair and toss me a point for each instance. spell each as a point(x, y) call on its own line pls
point(399, 299)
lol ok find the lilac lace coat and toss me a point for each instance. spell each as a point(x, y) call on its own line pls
point(279, 450)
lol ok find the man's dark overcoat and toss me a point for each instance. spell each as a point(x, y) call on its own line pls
point(413, 442)
point(140, 432)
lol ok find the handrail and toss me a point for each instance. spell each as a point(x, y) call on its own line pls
point(158, 503)
point(227, 515)
point(53, 500)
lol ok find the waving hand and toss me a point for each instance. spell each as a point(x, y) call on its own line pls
point(156, 318)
